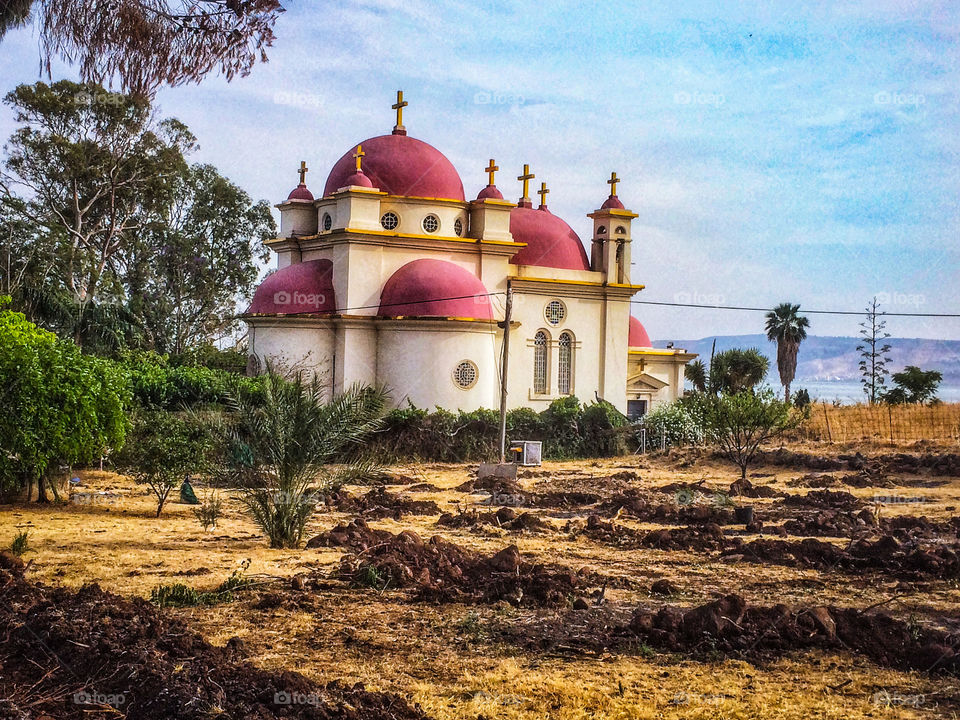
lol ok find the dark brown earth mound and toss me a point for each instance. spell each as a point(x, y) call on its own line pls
point(825, 499)
point(380, 503)
point(832, 523)
point(91, 654)
point(494, 485)
point(643, 508)
point(702, 538)
point(506, 518)
point(745, 488)
point(876, 466)
point(423, 487)
point(444, 572)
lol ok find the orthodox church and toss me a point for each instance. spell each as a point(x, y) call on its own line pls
point(392, 277)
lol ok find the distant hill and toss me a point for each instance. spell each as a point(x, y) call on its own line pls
point(836, 358)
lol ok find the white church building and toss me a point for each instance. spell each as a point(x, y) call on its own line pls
point(392, 277)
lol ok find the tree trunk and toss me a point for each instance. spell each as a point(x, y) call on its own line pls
point(786, 393)
point(42, 491)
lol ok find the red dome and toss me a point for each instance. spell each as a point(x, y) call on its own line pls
point(300, 192)
point(550, 241)
point(400, 165)
point(420, 286)
point(358, 178)
point(612, 202)
point(490, 192)
point(638, 335)
point(306, 287)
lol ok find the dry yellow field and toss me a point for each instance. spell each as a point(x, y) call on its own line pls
point(448, 658)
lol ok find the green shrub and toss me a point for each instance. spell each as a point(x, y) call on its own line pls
point(679, 422)
point(20, 544)
point(181, 595)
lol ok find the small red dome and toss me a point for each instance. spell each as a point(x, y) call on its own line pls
point(360, 179)
point(305, 287)
point(550, 241)
point(612, 202)
point(300, 192)
point(638, 335)
point(434, 288)
point(490, 192)
point(400, 165)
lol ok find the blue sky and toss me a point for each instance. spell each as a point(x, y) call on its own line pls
point(774, 151)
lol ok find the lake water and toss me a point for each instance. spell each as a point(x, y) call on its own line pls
point(850, 393)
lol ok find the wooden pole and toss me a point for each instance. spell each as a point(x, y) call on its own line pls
point(826, 417)
point(507, 312)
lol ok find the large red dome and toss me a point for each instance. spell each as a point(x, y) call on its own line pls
point(550, 241)
point(305, 287)
point(400, 165)
point(434, 288)
point(638, 335)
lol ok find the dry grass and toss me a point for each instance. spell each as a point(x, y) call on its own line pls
point(889, 423)
point(444, 657)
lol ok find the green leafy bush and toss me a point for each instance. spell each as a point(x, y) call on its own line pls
point(159, 384)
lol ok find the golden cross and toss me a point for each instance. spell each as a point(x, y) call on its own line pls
point(359, 156)
point(612, 182)
point(399, 105)
point(491, 169)
point(542, 192)
point(526, 178)
point(303, 172)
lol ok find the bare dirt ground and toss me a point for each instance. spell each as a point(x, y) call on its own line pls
point(571, 625)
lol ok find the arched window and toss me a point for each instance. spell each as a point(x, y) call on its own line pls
point(565, 370)
point(540, 363)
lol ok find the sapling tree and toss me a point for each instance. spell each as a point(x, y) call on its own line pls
point(740, 423)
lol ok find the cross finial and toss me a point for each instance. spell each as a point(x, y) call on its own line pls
point(491, 169)
point(358, 155)
point(526, 178)
point(542, 192)
point(399, 105)
point(303, 172)
point(612, 182)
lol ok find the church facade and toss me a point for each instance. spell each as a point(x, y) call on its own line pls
point(392, 277)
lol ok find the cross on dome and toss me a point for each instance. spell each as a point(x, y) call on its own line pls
point(399, 105)
point(303, 172)
point(358, 155)
point(542, 192)
point(525, 178)
point(491, 169)
point(612, 182)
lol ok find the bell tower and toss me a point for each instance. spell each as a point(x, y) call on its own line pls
point(610, 250)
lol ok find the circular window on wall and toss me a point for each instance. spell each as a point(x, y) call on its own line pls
point(465, 375)
point(431, 223)
point(458, 227)
point(555, 312)
point(327, 221)
point(389, 221)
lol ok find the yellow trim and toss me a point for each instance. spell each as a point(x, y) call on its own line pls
point(581, 282)
point(454, 238)
point(659, 351)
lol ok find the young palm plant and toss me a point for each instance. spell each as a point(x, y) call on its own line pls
point(788, 329)
point(287, 446)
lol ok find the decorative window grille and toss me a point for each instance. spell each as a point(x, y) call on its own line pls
point(458, 227)
point(327, 221)
point(390, 221)
point(431, 223)
point(540, 363)
point(565, 371)
point(554, 312)
point(465, 375)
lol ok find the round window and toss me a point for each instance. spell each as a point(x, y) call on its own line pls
point(431, 223)
point(465, 375)
point(389, 221)
point(327, 221)
point(555, 312)
point(458, 227)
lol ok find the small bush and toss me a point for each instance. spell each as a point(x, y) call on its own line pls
point(20, 544)
point(209, 510)
point(181, 595)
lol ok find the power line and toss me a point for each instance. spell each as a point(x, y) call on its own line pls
point(807, 312)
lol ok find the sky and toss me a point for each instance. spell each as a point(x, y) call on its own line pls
point(775, 151)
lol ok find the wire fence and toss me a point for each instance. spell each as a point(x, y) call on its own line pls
point(893, 423)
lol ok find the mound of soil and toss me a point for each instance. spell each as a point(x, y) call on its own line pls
point(87, 653)
point(380, 503)
point(639, 506)
point(604, 485)
point(887, 554)
point(703, 538)
point(876, 466)
point(564, 500)
point(505, 518)
point(493, 485)
point(745, 488)
point(825, 500)
point(444, 572)
point(832, 523)
point(813, 480)
point(423, 487)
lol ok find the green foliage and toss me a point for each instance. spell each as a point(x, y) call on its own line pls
point(739, 423)
point(209, 510)
point(157, 383)
point(913, 385)
point(786, 327)
point(181, 595)
point(60, 407)
point(738, 369)
point(873, 350)
point(696, 373)
point(680, 422)
point(164, 448)
point(21, 543)
point(280, 450)
point(801, 398)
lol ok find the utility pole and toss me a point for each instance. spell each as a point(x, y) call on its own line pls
point(507, 312)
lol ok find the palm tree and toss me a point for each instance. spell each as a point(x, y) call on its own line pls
point(696, 373)
point(285, 448)
point(737, 370)
point(788, 329)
